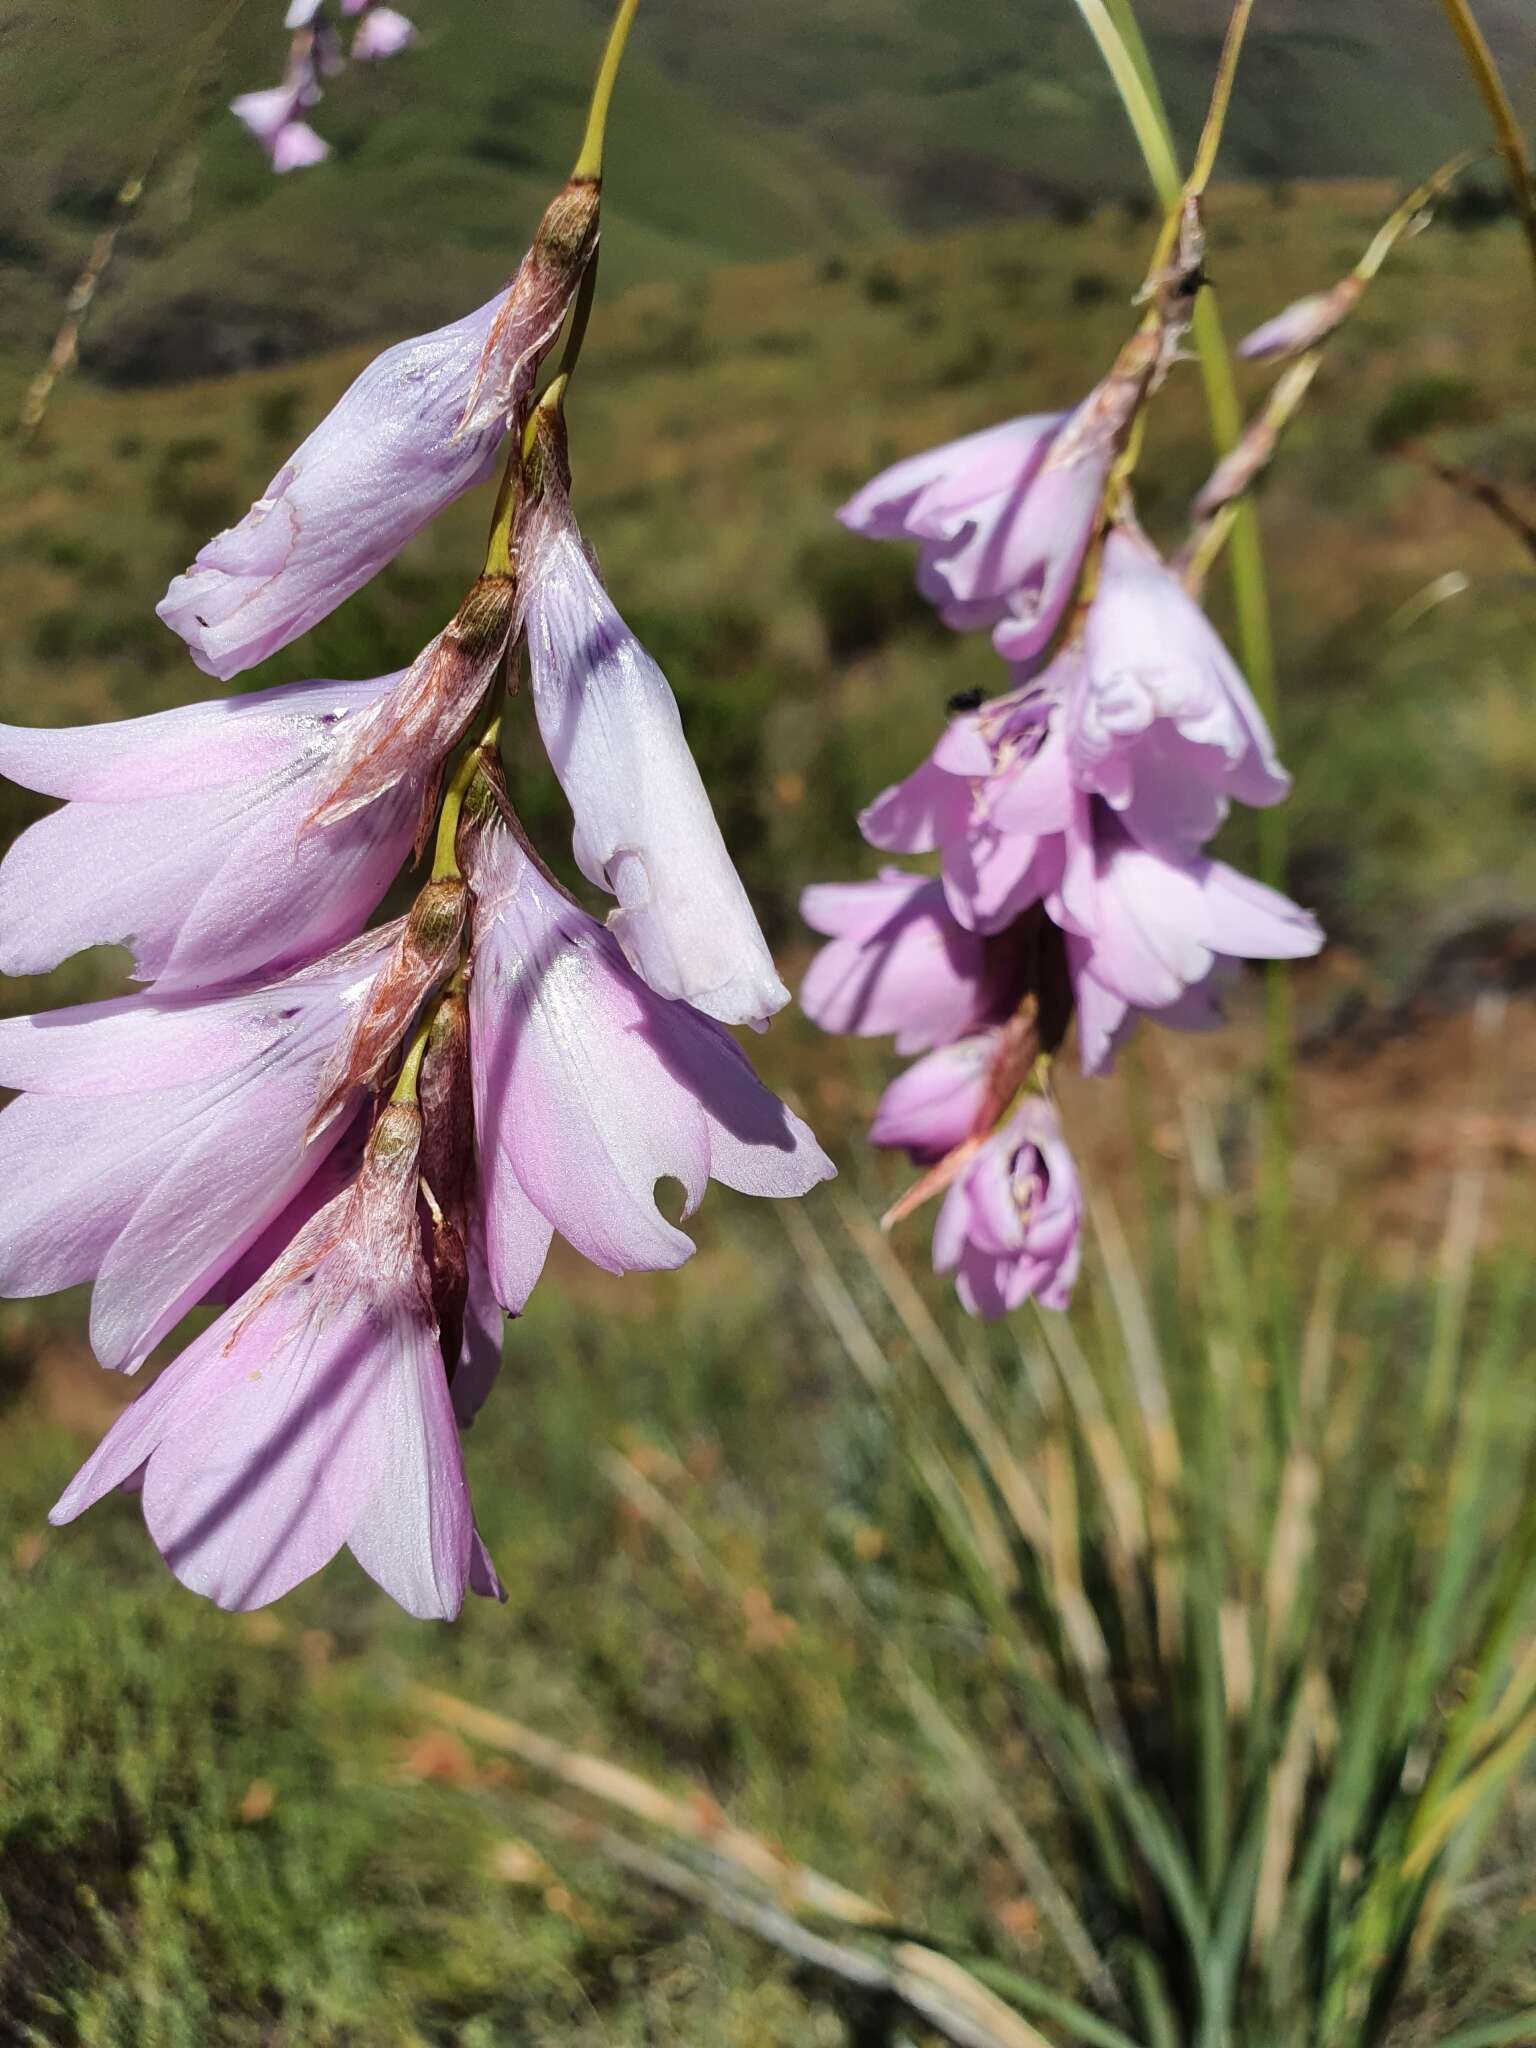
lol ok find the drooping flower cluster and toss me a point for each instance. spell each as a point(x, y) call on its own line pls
point(361, 1143)
point(1069, 815)
point(276, 116)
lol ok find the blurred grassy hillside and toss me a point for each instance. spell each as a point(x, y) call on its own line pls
point(716, 425)
point(763, 131)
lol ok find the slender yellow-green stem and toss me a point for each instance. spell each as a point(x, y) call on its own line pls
point(589, 164)
point(1507, 133)
point(445, 859)
point(1114, 28)
point(1402, 217)
point(498, 547)
point(405, 1087)
point(1221, 98)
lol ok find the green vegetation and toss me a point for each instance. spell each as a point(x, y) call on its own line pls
point(764, 131)
point(714, 428)
point(796, 1579)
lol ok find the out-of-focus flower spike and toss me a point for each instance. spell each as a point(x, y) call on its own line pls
point(900, 963)
point(1011, 1224)
point(382, 32)
point(298, 147)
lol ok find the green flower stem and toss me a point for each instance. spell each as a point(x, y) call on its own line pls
point(1507, 132)
point(445, 861)
point(589, 164)
point(1113, 26)
point(410, 1069)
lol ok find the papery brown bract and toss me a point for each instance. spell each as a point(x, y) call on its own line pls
point(424, 715)
point(534, 309)
point(422, 957)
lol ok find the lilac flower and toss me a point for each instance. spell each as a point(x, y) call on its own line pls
point(314, 1414)
point(589, 1088)
point(645, 830)
point(381, 33)
point(275, 117)
point(992, 799)
point(181, 839)
point(898, 963)
point(1156, 715)
point(1146, 931)
point(156, 1137)
point(1004, 518)
point(1010, 1225)
point(298, 147)
point(387, 458)
point(940, 1101)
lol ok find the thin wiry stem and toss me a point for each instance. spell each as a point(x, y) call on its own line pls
point(589, 164)
point(1507, 133)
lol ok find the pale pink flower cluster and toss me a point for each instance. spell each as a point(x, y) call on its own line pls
point(1069, 817)
point(276, 116)
point(219, 1137)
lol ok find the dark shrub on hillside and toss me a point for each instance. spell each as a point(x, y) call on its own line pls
point(1423, 404)
point(863, 595)
point(275, 414)
point(1476, 203)
point(1091, 288)
point(882, 287)
point(199, 334)
point(1071, 209)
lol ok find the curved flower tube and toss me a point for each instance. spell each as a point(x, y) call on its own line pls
point(589, 1088)
point(386, 459)
point(645, 828)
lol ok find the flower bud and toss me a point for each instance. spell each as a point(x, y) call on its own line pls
point(1302, 325)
